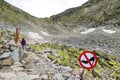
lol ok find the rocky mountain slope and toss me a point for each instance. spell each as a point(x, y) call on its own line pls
point(94, 25)
point(93, 13)
point(10, 14)
point(106, 40)
point(102, 14)
point(12, 17)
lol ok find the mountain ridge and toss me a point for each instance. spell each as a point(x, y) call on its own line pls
point(15, 14)
point(92, 14)
point(23, 20)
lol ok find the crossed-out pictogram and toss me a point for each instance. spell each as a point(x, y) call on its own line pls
point(88, 59)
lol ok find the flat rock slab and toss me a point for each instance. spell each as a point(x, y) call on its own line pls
point(8, 76)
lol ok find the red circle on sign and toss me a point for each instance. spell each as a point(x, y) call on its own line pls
point(84, 54)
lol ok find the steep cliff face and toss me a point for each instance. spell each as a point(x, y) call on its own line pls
point(92, 14)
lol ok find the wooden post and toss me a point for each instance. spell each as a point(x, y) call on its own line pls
point(83, 71)
point(0, 64)
point(1, 34)
point(16, 36)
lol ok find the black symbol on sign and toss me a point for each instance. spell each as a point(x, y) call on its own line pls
point(91, 59)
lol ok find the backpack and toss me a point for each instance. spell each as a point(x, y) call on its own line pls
point(23, 42)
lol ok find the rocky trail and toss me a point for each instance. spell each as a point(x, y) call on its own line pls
point(37, 67)
point(18, 64)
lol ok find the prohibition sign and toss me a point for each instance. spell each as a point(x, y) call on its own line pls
point(88, 59)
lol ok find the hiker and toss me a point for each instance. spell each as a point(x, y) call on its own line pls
point(23, 43)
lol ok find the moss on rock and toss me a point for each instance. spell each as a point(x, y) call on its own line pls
point(51, 57)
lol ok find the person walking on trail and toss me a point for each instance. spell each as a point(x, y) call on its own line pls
point(23, 43)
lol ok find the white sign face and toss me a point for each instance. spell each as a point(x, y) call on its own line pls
point(88, 60)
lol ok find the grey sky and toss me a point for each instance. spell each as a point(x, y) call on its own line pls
point(45, 8)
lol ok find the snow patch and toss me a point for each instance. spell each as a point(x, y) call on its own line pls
point(45, 33)
point(108, 31)
point(34, 35)
point(88, 31)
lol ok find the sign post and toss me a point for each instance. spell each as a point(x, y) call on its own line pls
point(87, 60)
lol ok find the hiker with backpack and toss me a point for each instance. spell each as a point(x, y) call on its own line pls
point(23, 43)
